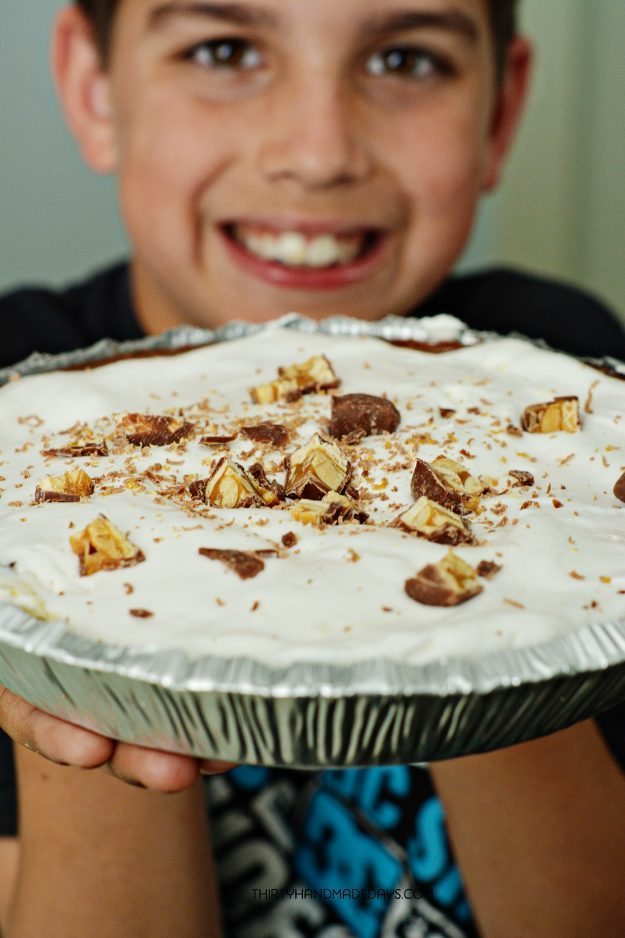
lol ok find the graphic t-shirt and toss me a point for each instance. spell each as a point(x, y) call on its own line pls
point(353, 853)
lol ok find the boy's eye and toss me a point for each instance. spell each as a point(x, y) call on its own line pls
point(226, 53)
point(407, 62)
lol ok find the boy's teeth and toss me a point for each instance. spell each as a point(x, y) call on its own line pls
point(297, 250)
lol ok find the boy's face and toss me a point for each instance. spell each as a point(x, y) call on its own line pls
point(276, 155)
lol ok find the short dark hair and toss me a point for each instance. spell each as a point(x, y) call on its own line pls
point(502, 13)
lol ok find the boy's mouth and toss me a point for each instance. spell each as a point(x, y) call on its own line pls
point(304, 249)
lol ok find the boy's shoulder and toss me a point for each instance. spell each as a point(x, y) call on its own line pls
point(504, 300)
point(58, 320)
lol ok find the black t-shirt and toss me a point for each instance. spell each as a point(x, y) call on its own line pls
point(281, 834)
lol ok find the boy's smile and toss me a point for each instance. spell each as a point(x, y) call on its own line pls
point(276, 155)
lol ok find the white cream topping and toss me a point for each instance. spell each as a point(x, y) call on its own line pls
point(338, 595)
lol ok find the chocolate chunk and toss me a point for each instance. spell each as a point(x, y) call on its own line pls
point(446, 412)
point(447, 583)
point(289, 539)
point(79, 449)
point(273, 433)
point(619, 488)
point(244, 563)
point(153, 430)
point(362, 412)
point(487, 569)
point(141, 613)
point(522, 477)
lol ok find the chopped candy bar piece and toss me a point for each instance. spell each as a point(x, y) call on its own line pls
point(100, 546)
point(70, 487)
point(447, 583)
point(447, 483)
point(152, 430)
point(316, 374)
point(316, 468)
point(332, 509)
point(560, 414)
point(430, 520)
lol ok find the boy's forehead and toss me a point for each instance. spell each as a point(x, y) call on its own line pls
point(460, 16)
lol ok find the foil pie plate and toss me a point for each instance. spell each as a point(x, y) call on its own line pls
point(306, 714)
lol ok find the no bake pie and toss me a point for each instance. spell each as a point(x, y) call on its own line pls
point(294, 497)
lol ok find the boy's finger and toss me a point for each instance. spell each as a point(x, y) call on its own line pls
point(213, 767)
point(159, 771)
point(51, 737)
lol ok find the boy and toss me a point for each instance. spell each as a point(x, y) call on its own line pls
point(325, 157)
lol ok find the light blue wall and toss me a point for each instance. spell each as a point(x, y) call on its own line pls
point(57, 219)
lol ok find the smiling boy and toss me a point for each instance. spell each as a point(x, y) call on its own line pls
point(327, 157)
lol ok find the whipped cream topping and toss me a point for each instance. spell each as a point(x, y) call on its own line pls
point(337, 595)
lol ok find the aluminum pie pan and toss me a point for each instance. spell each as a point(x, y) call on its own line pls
point(306, 714)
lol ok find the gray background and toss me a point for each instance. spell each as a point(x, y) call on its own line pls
point(561, 211)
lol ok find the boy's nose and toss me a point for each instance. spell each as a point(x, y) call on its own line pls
point(314, 136)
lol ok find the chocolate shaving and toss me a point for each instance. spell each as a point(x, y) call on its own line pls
point(79, 449)
point(153, 430)
point(245, 564)
point(217, 440)
point(273, 433)
point(141, 613)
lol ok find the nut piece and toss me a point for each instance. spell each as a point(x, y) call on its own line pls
point(152, 430)
point(316, 374)
point(619, 488)
point(273, 433)
point(102, 547)
point(447, 483)
point(245, 564)
point(430, 520)
point(364, 414)
point(70, 487)
point(316, 468)
point(332, 509)
point(562, 413)
point(447, 583)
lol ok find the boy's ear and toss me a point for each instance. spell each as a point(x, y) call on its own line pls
point(83, 87)
point(509, 103)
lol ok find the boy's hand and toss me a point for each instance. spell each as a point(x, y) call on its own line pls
point(67, 744)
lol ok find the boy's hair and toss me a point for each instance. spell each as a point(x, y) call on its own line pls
point(502, 13)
